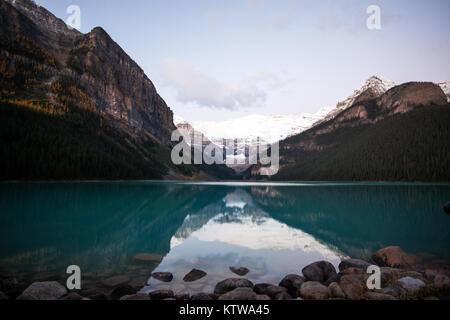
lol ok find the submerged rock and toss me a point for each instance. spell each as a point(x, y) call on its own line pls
point(314, 290)
point(148, 258)
point(320, 271)
point(161, 294)
point(163, 276)
point(240, 271)
point(50, 290)
point(231, 284)
point(243, 294)
point(194, 275)
point(393, 290)
point(395, 257)
point(116, 281)
point(122, 290)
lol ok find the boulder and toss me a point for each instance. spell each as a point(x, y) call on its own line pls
point(350, 271)
point(272, 291)
point(395, 257)
point(231, 284)
point(319, 271)
point(353, 286)
point(393, 290)
point(262, 297)
point(50, 290)
point(292, 283)
point(411, 284)
point(194, 275)
point(136, 297)
point(260, 288)
point(336, 291)
point(161, 294)
point(314, 290)
point(201, 297)
point(116, 281)
point(441, 281)
point(163, 276)
point(378, 296)
point(354, 263)
point(240, 271)
point(242, 294)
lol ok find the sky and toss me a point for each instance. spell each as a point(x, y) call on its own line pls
point(216, 60)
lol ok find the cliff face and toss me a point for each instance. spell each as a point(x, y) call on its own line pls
point(108, 78)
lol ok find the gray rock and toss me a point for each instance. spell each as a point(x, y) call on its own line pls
point(378, 296)
point(336, 291)
point(116, 281)
point(240, 271)
point(194, 275)
point(319, 271)
point(242, 294)
point(354, 263)
point(393, 290)
point(411, 284)
point(314, 290)
point(353, 286)
point(182, 296)
point(163, 276)
point(50, 290)
point(231, 284)
point(136, 297)
point(394, 257)
point(161, 294)
point(292, 283)
point(262, 297)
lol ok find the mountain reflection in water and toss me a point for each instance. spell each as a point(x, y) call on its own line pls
point(271, 229)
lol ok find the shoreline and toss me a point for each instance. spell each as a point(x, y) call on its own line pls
point(401, 277)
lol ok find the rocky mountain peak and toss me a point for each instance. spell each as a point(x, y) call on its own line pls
point(445, 86)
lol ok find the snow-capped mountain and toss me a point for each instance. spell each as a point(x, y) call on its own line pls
point(445, 86)
point(374, 87)
point(265, 127)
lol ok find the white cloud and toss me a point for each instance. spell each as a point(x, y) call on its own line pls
point(195, 86)
point(255, 6)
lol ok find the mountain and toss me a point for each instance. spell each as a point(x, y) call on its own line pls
point(445, 86)
point(76, 106)
point(403, 135)
point(373, 88)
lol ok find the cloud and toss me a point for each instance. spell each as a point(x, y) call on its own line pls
point(195, 86)
point(255, 6)
point(267, 79)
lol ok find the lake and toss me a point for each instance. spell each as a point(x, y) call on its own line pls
point(134, 228)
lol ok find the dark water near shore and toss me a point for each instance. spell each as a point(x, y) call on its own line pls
point(134, 228)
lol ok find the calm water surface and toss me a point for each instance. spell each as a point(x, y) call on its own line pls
point(134, 228)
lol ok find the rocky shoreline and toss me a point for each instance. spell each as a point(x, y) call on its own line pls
point(402, 277)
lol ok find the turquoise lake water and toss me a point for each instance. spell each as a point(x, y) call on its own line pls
point(134, 228)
